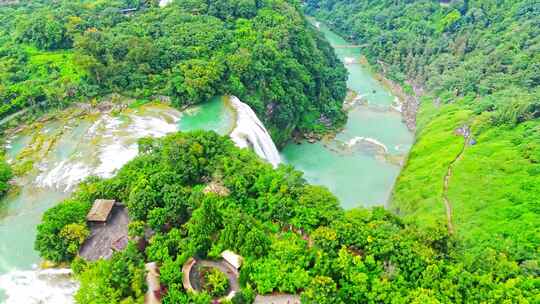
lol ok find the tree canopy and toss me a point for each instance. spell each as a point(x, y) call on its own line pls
point(467, 48)
point(264, 52)
point(6, 174)
point(294, 237)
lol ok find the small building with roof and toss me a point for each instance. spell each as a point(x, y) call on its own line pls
point(153, 294)
point(100, 211)
point(229, 265)
point(108, 221)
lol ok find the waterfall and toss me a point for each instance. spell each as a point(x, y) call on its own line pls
point(250, 132)
point(39, 286)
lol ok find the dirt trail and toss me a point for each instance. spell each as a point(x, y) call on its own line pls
point(466, 133)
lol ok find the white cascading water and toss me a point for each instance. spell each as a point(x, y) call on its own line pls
point(250, 132)
point(118, 146)
point(39, 286)
point(349, 60)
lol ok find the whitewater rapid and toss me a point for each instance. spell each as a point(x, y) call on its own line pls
point(39, 286)
point(251, 133)
point(359, 139)
point(98, 148)
point(107, 145)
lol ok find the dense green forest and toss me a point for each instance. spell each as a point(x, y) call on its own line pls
point(53, 53)
point(478, 63)
point(294, 236)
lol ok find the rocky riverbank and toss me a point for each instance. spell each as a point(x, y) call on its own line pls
point(409, 102)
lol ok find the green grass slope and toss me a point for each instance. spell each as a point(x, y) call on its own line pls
point(494, 188)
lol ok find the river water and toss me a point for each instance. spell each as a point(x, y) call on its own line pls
point(360, 165)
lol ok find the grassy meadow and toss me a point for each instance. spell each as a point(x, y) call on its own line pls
point(495, 186)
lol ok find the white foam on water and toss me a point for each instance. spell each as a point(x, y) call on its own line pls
point(349, 60)
point(94, 128)
point(114, 157)
point(64, 175)
point(38, 286)
point(116, 145)
point(397, 105)
point(250, 132)
point(358, 139)
point(153, 126)
point(358, 99)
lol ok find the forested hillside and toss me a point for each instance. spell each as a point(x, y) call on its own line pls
point(56, 52)
point(294, 236)
point(476, 162)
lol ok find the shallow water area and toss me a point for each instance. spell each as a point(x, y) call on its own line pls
point(341, 172)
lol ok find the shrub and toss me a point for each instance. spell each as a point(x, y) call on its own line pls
point(61, 230)
point(215, 282)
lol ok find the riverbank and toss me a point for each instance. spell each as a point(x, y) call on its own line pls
point(409, 104)
point(408, 94)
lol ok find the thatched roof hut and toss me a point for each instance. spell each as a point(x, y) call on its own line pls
point(100, 211)
point(109, 230)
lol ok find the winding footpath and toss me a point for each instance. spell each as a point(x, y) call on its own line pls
point(466, 133)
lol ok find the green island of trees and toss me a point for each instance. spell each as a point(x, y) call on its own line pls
point(54, 53)
point(294, 237)
point(5, 176)
point(478, 63)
